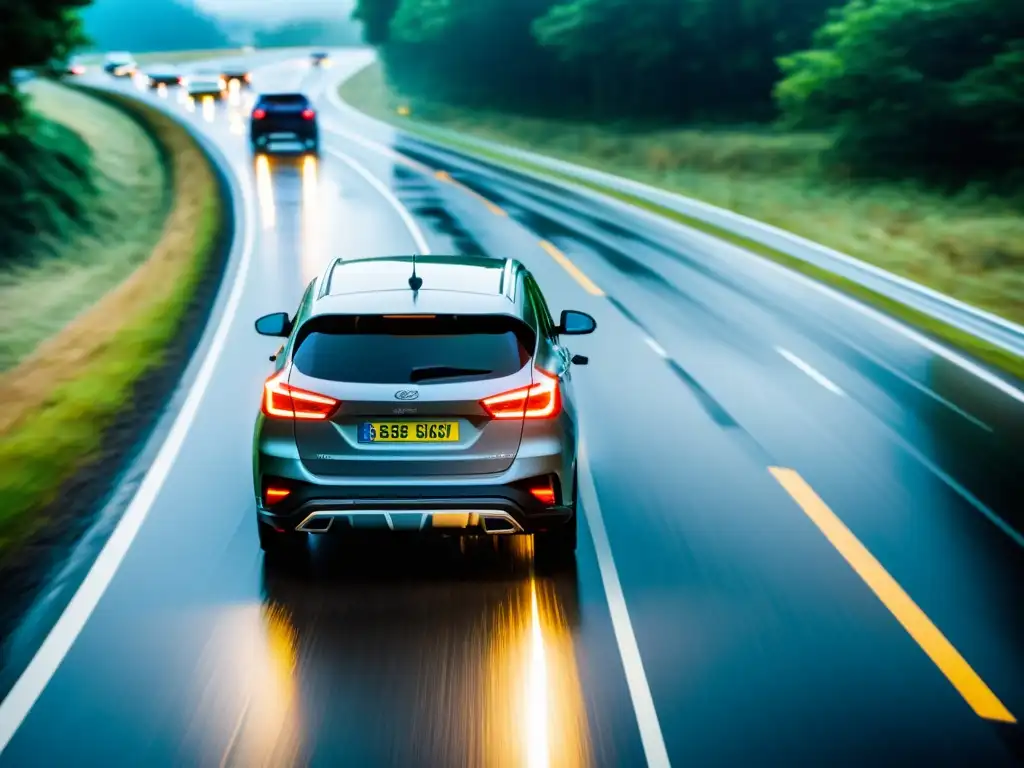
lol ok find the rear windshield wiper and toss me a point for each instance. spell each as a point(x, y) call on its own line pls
point(443, 372)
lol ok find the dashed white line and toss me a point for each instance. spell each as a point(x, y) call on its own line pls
point(636, 680)
point(389, 196)
point(658, 349)
point(812, 372)
point(34, 679)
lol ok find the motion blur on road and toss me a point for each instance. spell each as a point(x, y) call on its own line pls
point(801, 527)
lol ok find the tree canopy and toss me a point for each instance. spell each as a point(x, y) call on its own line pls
point(923, 87)
point(936, 86)
point(32, 33)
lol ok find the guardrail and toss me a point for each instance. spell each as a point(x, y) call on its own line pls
point(989, 327)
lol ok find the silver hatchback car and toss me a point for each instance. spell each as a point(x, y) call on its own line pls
point(419, 394)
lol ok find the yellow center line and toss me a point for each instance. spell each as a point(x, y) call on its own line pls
point(571, 268)
point(956, 669)
point(447, 177)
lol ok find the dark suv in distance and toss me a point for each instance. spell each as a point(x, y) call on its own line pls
point(286, 117)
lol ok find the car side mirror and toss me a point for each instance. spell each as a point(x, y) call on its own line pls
point(573, 323)
point(276, 324)
point(580, 359)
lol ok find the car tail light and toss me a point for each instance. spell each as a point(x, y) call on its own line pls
point(273, 494)
point(78, 69)
point(540, 400)
point(259, 114)
point(545, 494)
point(247, 78)
point(283, 401)
point(308, 114)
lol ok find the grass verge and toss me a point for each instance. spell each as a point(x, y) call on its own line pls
point(972, 249)
point(61, 270)
point(60, 399)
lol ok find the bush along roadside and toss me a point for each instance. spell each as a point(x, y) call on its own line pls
point(78, 408)
point(367, 91)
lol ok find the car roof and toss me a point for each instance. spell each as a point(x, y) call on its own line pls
point(451, 285)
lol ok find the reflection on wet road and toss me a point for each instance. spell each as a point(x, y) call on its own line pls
point(374, 645)
point(265, 192)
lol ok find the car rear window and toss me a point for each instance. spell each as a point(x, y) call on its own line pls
point(388, 350)
point(283, 98)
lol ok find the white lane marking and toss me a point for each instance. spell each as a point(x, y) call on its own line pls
point(387, 194)
point(658, 349)
point(639, 690)
point(811, 371)
point(30, 685)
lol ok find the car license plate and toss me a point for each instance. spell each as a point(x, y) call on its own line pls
point(409, 432)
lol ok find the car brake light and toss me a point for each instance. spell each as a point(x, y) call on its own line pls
point(540, 400)
point(544, 494)
point(308, 114)
point(283, 401)
point(259, 114)
point(274, 495)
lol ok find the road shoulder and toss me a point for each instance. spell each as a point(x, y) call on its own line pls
point(88, 397)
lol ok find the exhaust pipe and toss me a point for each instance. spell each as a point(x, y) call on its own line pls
point(499, 524)
point(316, 524)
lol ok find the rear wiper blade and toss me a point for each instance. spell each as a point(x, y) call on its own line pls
point(443, 372)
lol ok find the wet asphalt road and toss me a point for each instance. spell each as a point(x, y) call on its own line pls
point(774, 471)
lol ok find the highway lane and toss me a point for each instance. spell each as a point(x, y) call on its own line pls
point(759, 642)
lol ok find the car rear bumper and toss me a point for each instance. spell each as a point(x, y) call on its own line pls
point(448, 509)
point(283, 133)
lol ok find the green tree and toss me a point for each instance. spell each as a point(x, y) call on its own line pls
point(375, 16)
point(612, 59)
point(934, 88)
point(32, 33)
point(680, 58)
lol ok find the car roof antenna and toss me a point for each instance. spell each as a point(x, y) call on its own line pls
point(415, 281)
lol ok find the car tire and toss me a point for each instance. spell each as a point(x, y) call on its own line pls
point(289, 547)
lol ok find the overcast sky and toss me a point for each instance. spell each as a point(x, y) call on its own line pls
point(277, 10)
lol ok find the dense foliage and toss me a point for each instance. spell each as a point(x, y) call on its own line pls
point(609, 59)
point(910, 86)
point(44, 168)
point(935, 86)
point(32, 33)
